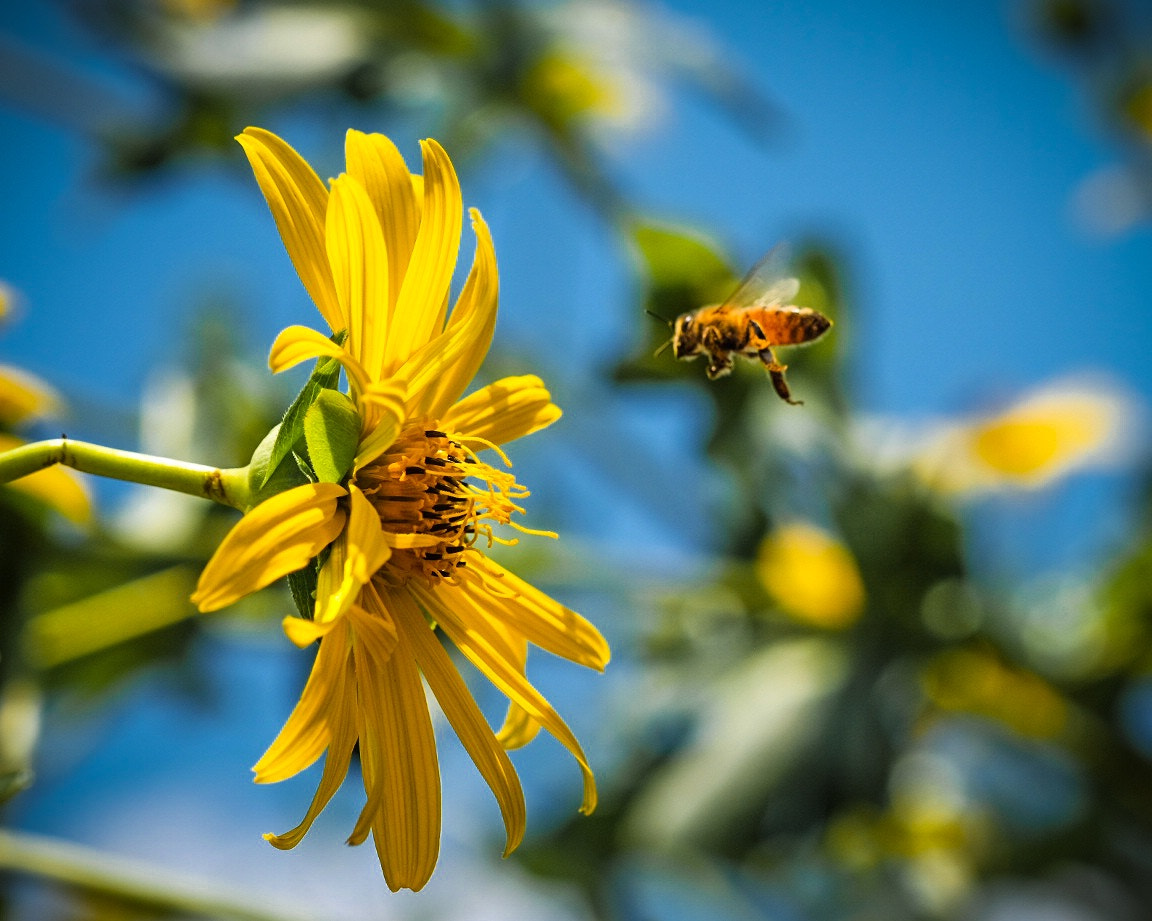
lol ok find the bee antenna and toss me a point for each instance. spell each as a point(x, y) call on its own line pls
point(663, 320)
point(667, 343)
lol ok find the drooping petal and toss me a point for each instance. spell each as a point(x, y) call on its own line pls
point(518, 728)
point(357, 254)
point(278, 536)
point(339, 716)
point(466, 719)
point(323, 706)
point(423, 296)
point(507, 598)
point(505, 410)
point(475, 312)
point(364, 552)
point(398, 756)
point(378, 166)
point(298, 201)
point(300, 343)
point(467, 627)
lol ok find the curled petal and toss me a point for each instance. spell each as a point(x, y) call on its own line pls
point(505, 410)
point(467, 627)
point(300, 343)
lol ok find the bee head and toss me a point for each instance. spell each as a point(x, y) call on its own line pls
point(685, 337)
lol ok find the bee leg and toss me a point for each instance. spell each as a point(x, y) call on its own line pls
point(720, 365)
point(779, 382)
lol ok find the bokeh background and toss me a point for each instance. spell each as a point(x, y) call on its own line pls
point(882, 656)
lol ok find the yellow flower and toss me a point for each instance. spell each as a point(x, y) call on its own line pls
point(811, 575)
point(400, 531)
point(1060, 428)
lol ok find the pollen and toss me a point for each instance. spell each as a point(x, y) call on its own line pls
point(433, 486)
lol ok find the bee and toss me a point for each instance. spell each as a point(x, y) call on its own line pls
point(757, 317)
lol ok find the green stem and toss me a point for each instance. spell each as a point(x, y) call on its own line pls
point(131, 882)
point(228, 487)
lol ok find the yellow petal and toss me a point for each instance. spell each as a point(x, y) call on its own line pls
point(277, 537)
point(377, 165)
point(24, 396)
point(59, 488)
point(398, 756)
point(356, 557)
point(384, 410)
point(424, 293)
point(298, 201)
point(467, 721)
point(338, 719)
point(528, 611)
point(322, 707)
point(467, 627)
point(357, 254)
point(508, 409)
point(475, 312)
point(300, 343)
point(812, 576)
point(519, 728)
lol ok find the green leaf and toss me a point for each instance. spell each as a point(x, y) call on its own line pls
point(264, 478)
point(326, 376)
point(332, 432)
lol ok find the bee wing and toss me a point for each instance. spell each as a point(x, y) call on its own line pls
point(766, 283)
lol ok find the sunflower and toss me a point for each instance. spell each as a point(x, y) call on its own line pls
point(406, 483)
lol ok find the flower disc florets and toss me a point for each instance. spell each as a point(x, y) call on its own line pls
point(432, 484)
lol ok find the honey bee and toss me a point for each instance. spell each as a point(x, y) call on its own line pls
point(756, 318)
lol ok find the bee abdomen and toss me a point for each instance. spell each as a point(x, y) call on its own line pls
point(793, 325)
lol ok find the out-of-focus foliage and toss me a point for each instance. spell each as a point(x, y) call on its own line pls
point(835, 717)
point(574, 76)
point(845, 720)
point(1106, 46)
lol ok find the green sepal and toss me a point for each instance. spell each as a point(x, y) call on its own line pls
point(302, 584)
point(332, 432)
point(326, 376)
point(267, 479)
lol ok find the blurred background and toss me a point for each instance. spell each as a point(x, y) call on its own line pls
point(882, 656)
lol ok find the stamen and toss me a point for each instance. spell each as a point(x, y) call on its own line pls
point(433, 484)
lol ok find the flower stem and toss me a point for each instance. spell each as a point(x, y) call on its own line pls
point(228, 486)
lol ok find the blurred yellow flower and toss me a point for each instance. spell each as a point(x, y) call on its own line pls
point(1058, 429)
point(976, 681)
point(811, 575)
point(377, 253)
point(25, 398)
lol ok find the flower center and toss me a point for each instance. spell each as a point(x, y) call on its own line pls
point(434, 486)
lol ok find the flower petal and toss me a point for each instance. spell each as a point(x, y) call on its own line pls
point(475, 312)
point(546, 623)
point(461, 710)
point(309, 729)
point(298, 201)
point(300, 343)
point(423, 297)
point(505, 410)
point(384, 410)
point(338, 717)
point(377, 165)
point(398, 756)
point(278, 536)
point(357, 253)
point(468, 628)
